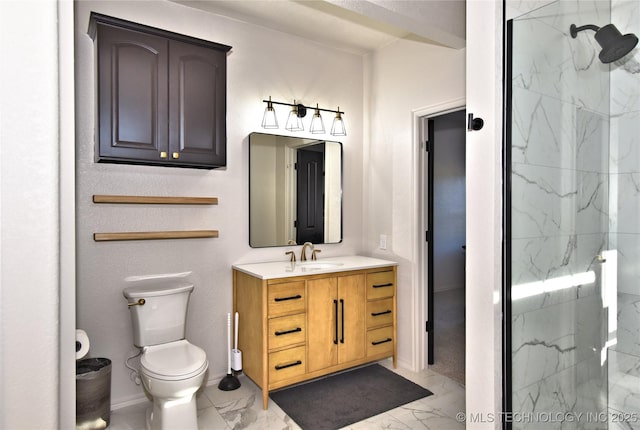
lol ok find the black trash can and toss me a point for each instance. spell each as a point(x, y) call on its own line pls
point(93, 393)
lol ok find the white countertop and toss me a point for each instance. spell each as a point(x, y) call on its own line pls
point(285, 269)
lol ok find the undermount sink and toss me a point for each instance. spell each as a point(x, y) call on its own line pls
point(317, 265)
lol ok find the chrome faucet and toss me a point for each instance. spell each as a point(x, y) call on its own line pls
point(303, 253)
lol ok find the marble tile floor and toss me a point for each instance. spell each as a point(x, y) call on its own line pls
point(242, 408)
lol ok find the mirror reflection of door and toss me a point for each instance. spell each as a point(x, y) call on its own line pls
point(273, 191)
point(310, 194)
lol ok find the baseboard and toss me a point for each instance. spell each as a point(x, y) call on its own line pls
point(404, 364)
point(130, 401)
point(142, 397)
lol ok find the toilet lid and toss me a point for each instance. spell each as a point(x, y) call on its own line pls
point(174, 360)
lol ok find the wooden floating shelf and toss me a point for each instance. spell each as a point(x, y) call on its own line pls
point(154, 200)
point(155, 235)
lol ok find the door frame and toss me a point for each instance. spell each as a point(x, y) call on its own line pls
point(421, 305)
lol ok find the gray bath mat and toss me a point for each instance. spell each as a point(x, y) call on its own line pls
point(346, 398)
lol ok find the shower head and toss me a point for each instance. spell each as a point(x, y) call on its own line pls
point(614, 44)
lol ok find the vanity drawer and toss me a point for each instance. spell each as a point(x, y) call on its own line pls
point(286, 298)
point(285, 331)
point(380, 341)
point(380, 285)
point(379, 313)
point(287, 364)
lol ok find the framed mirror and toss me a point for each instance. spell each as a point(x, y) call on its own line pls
point(295, 190)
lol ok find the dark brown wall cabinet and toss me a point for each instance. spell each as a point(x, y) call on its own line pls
point(161, 96)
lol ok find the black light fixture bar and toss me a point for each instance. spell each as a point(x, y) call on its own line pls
point(299, 105)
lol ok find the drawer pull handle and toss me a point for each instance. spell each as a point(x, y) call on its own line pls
point(381, 341)
point(377, 314)
point(390, 284)
point(282, 299)
point(295, 330)
point(284, 366)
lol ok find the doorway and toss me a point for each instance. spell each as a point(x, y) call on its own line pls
point(310, 196)
point(445, 215)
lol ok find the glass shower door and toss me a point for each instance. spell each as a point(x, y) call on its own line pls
point(558, 253)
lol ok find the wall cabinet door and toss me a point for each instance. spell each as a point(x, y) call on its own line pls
point(336, 321)
point(132, 83)
point(197, 101)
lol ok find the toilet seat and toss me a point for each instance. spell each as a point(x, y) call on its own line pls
point(173, 361)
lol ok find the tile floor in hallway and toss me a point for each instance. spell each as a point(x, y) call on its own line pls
point(242, 408)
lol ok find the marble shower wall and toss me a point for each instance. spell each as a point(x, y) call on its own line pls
point(560, 212)
point(624, 356)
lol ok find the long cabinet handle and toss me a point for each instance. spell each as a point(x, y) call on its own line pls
point(381, 341)
point(390, 284)
point(335, 339)
point(295, 330)
point(342, 328)
point(377, 314)
point(282, 299)
point(284, 366)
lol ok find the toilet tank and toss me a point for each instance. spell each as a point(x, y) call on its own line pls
point(162, 318)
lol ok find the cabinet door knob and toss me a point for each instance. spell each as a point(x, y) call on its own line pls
point(176, 155)
point(163, 154)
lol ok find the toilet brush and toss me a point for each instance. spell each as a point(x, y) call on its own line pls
point(229, 382)
point(236, 354)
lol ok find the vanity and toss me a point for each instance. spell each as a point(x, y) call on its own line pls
point(302, 320)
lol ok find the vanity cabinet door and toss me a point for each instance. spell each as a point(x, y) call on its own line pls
point(132, 93)
point(322, 328)
point(336, 321)
point(352, 303)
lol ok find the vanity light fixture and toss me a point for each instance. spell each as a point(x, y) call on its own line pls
point(299, 111)
point(269, 119)
point(317, 125)
point(294, 122)
point(338, 128)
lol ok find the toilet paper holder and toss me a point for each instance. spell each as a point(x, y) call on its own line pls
point(140, 302)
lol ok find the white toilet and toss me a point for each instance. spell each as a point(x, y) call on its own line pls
point(172, 369)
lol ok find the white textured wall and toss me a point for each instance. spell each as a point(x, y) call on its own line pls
point(402, 77)
point(262, 63)
point(29, 216)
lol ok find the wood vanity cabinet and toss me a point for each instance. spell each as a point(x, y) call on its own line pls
point(161, 96)
point(298, 328)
